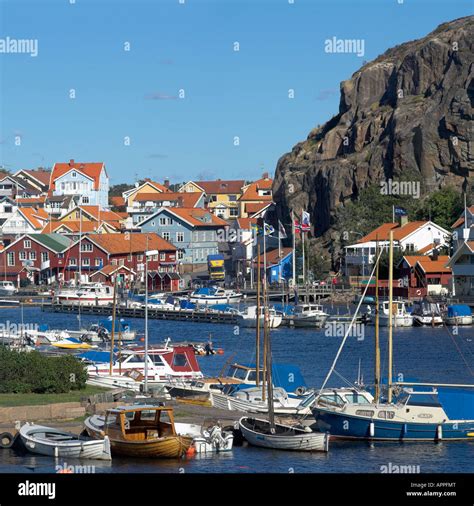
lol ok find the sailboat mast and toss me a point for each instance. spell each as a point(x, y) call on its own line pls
point(377, 327)
point(390, 317)
point(257, 331)
point(265, 365)
point(268, 354)
point(112, 337)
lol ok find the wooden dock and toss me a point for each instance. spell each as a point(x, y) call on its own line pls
point(199, 316)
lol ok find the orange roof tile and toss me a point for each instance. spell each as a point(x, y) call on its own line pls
point(460, 220)
point(78, 227)
point(32, 200)
point(426, 249)
point(97, 213)
point(36, 217)
point(430, 266)
point(184, 199)
point(251, 192)
point(255, 207)
point(116, 244)
point(382, 233)
point(273, 256)
point(470, 245)
point(90, 169)
point(246, 223)
point(43, 176)
point(117, 201)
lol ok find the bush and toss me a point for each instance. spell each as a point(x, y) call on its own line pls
point(22, 372)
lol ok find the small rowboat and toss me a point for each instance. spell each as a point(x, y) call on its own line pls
point(140, 431)
point(57, 443)
point(283, 437)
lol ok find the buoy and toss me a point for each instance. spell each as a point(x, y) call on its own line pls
point(142, 339)
point(220, 351)
point(191, 451)
point(372, 429)
point(65, 471)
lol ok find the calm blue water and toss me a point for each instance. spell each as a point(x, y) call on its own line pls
point(423, 353)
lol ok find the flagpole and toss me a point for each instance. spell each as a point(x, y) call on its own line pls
point(294, 246)
point(393, 214)
point(304, 261)
point(279, 252)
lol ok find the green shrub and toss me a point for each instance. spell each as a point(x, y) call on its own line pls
point(22, 372)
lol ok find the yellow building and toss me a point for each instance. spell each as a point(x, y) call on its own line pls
point(255, 196)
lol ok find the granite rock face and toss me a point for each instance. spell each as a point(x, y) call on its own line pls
point(405, 115)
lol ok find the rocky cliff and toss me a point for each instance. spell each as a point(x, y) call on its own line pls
point(406, 115)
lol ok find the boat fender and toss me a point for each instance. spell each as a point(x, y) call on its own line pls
point(405, 429)
point(372, 429)
point(300, 390)
point(439, 433)
point(6, 440)
point(191, 451)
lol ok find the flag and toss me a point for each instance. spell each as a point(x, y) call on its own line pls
point(297, 227)
point(399, 211)
point(281, 230)
point(305, 222)
point(269, 229)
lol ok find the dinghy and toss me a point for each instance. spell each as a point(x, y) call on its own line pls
point(278, 436)
point(57, 443)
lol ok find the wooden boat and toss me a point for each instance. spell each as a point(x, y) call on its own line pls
point(140, 431)
point(278, 436)
point(57, 443)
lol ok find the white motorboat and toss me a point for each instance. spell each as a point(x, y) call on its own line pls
point(7, 288)
point(207, 440)
point(250, 400)
point(248, 318)
point(87, 294)
point(309, 315)
point(400, 316)
point(57, 443)
point(214, 295)
point(278, 436)
point(426, 313)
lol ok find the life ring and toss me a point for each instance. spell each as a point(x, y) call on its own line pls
point(300, 390)
point(6, 440)
point(418, 292)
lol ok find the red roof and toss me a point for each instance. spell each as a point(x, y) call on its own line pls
point(255, 207)
point(273, 257)
point(92, 170)
point(194, 216)
point(460, 220)
point(220, 186)
point(43, 176)
point(117, 201)
point(399, 233)
point(429, 266)
point(251, 192)
point(184, 199)
point(246, 223)
point(116, 244)
point(36, 217)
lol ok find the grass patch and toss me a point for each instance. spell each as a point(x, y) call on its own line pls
point(11, 400)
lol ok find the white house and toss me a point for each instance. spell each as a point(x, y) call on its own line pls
point(462, 266)
point(88, 180)
point(411, 236)
point(7, 208)
point(25, 220)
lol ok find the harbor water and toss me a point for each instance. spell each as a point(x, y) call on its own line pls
point(425, 354)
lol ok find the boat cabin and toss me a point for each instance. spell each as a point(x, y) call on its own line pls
point(341, 397)
point(132, 423)
point(308, 308)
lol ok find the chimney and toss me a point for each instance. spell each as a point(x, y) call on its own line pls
point(180, 202)
point(434, 254)
point(265, 175)
point(403, 220)
point(71, 162)
point(167, 183)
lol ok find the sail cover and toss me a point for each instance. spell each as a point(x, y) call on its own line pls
point(458, 403)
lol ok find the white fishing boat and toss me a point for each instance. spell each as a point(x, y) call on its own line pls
point(248, 318)
point(459, 314)
point(309, 315)
point(207, 440)
point(57, 443)
point(426, 313)
point(87, 294)
point(278, 436)
point(214, 295)
point(400, 316)
point(7, 288)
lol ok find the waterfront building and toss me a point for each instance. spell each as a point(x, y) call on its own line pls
point(87, 180)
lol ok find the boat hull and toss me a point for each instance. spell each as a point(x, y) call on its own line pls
point(459, 320)
point(167, 447)
point(290, 439)
point(343, 426)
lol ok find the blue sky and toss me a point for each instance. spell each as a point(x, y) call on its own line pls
point(186, 47)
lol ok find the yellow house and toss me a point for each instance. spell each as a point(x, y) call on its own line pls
point(147, 187)
point(222, 196)
point(256, 196)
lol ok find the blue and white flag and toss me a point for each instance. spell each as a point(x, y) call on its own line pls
point(399, 211)
point(305, 221)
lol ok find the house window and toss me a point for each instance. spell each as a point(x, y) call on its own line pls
point(86, 262)
point(32, 255)
point(166, 236)
point(152, 223)
point(179, 236)
point(60, 255)
point(72, 261)
point(44, 256)
point(232, 198)
point(195, 236)
point(11, 259)
point(213, 198)
point(8, 209)
point(74, 174)
point(97, 262)
point(86, 246)
point(139, 258)
point(27, 244)
point(85, 200)
point(169, 221)
point(234, 212)
point(63, 186)
point(22, 255)
point(162, 221)
point(180, 255)
point(162, 256)
point(114, 261)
